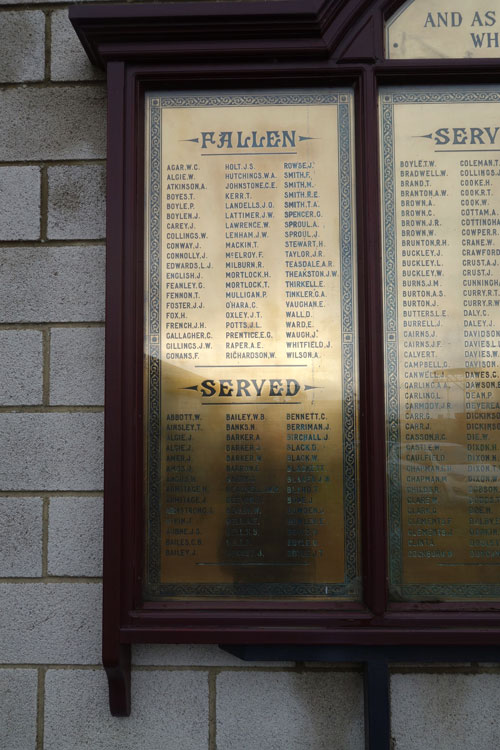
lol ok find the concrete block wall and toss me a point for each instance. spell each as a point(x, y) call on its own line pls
point(53, 693)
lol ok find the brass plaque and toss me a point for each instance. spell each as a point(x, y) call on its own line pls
point(440, 151)
point(427, 29)
point(250, 391)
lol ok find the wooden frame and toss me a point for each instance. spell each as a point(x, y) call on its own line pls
point(244, 45)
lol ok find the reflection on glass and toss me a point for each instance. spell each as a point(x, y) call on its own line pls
point(441, 239)
point(250, 369)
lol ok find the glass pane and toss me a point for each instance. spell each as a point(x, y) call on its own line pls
point(441, 241)
point(250, 364)
point(427, 29)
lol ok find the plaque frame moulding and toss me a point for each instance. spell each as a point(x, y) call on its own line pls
point(230, 46)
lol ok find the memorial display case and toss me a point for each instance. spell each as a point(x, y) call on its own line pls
point(303, 324)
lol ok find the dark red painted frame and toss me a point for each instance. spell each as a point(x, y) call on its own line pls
point(217, 45)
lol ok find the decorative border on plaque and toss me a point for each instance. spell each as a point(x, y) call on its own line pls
point(388, 99)
point(153, 353)
point(155, 102)
point(347, 259)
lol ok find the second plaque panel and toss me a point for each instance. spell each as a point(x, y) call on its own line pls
point(440, 152)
